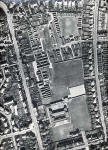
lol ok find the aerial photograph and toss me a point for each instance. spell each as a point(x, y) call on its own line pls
point(53, 74)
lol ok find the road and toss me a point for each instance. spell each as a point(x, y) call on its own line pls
point(12, 134)
point(13, 137)
point(84, 147)
point(85, 140)
point(4, 79)
point(33, 115)
point(96, 65)
point(15, 133)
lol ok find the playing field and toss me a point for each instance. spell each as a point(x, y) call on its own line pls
point(79, 113)
point(61, 132)
point(64, 75)
point(69, 25)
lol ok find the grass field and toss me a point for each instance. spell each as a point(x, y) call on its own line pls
point(66, 74)
point(79, 113)
point(61, 132)
point(69, 25)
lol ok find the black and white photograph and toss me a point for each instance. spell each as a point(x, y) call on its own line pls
point(53, 74)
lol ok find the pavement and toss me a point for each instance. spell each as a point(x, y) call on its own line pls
point(85, 140)
point(33, 115)
point(4, 78)
point(83, 146)
point(13, 134)
point(96, 65)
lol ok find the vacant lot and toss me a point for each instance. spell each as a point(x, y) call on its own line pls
point(64, 75)
point(69, 25)
point(79, 113)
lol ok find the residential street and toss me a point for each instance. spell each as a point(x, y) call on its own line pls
point(96, 64)
point(33, 115)
point(53, 75)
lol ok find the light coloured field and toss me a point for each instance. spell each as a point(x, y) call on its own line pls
point(79, 113)
point(69, 25)
point(62, 132)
